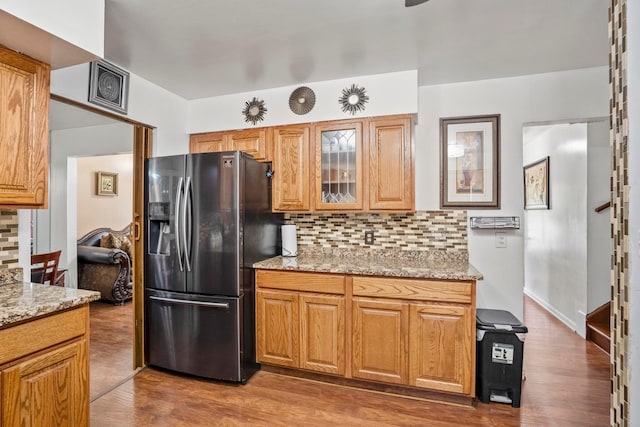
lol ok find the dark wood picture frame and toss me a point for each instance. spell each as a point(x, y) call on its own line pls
point(536, 184)
point(470, 162)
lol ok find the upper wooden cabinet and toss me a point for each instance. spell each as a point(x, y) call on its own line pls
point(24, 128)
point(251, 141)
point(291, 151)
point(338, 166)
point(208, 142)
point(391, 178)
point(341, 165)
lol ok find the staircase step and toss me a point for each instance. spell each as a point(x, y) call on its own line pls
point(599, 337)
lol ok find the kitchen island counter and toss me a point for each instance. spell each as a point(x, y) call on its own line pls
point(20, 302)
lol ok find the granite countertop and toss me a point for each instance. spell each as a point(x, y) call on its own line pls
point(397, 264)
point(20, 302)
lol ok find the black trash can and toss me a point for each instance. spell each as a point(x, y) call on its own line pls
point(499, 350)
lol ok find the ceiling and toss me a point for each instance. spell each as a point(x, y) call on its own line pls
point(198, 49)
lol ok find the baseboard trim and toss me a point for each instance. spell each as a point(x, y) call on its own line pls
point(561, 317)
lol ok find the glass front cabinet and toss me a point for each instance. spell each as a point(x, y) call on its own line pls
point(338, 162)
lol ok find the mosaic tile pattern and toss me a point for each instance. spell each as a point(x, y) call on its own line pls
point(419, 231)
point(619, 132)
point(8, 239)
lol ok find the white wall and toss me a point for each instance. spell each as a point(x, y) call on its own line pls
point(519, 100)
point(148, 103)
point(80, 22)
point(555, 247)
point(95, 211)
point(392, 93)
point(599, 248)
point(66, 146)
point(633, 93)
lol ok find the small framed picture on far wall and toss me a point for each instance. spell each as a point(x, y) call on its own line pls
point(106, 184)
point(536, 184)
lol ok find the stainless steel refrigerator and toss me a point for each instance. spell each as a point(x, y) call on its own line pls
point(208, 220)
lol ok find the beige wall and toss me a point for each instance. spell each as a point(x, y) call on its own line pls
point(104, 211)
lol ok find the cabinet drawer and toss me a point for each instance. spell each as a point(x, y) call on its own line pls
point(309, 282)
point(413, 289)
point(38, 334)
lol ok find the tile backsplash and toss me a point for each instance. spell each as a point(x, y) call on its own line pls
point(418, 231)
point(8, 239)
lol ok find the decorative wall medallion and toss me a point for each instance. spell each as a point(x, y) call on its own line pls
point(108, 86)
point(302, 100)
point(353, 99)
point(254, 111)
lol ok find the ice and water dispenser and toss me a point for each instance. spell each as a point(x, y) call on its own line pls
point(159, 228)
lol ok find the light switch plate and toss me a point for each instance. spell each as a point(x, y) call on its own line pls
point(501, 239)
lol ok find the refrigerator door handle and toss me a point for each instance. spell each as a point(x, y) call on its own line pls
point(186, 224)
point(189, 302)
point(177, 222)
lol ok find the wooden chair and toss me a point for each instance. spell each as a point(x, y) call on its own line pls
point(44, 267)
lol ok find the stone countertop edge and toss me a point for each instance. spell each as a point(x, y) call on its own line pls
point(373, 266)
point(20, 302)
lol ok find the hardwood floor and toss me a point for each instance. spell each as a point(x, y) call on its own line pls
point(567, 384)
point(110, 346)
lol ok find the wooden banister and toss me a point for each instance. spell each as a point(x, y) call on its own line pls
point(603, 207)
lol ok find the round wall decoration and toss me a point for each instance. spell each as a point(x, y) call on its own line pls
point(353, 99)
point(254, 111)
point(302, 100)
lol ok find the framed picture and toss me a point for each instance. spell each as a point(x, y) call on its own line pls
point(107, 184)
point(108, 86)
point(536, 185)
point(470, 162)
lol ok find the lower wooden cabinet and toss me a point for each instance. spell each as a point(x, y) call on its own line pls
point(277, 322)
point(44, 371)
point(300, 330)
point(379, 337)
point(322, 333)
point(441, 350)
point(411, 332)
point(50, 389)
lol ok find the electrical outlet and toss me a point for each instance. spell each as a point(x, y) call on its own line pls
point(368, 237)
point(501, 239)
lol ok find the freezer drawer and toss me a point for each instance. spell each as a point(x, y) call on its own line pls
point(195, 334)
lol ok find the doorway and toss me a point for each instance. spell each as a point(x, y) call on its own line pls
point(566, 264)
point(77, 130)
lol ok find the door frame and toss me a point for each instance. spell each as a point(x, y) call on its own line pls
point(142, 149)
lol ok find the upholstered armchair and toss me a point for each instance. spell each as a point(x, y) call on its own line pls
point(104, 264)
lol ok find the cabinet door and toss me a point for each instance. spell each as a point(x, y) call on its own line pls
point(338, 166)
point(291, 168)
point(391, 179)
point(252, 141)
point(277, 320)
point(24, 130)
point(49, 390)
point(208, 142)
point(442, 347)
point(379, 340)
point(322, 333)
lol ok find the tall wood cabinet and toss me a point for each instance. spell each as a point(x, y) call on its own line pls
point(44, 371)
point(24, 130)
point(391, 176)
point(291, 151)
point(410, 332)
